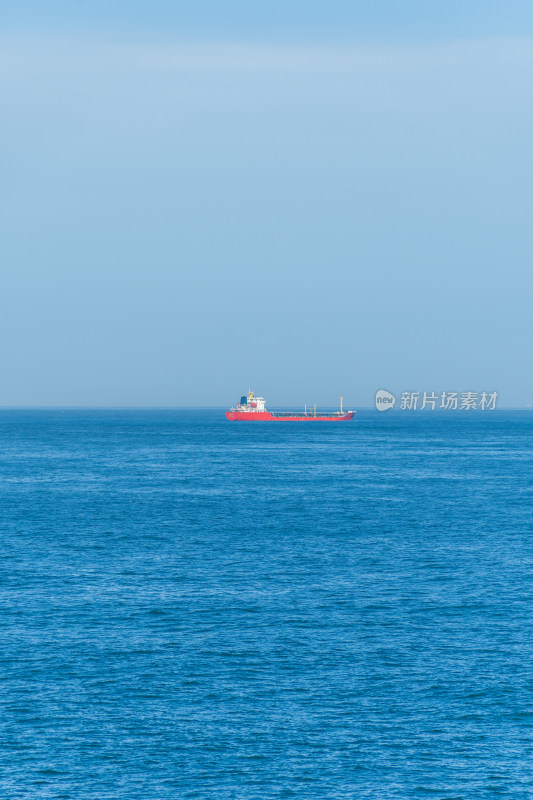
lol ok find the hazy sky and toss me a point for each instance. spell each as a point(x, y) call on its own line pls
point(306, 198)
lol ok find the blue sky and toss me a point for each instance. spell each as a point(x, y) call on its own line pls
point(339, 20)
point(311, 200)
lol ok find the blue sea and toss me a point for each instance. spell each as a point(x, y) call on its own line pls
point(193, 608)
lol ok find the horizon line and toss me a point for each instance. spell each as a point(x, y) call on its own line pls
point(220, 407)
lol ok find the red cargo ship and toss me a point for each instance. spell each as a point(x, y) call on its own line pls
point(252, 409)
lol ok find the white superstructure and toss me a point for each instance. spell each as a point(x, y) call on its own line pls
point(250, 403)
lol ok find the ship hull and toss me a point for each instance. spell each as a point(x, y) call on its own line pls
point(268, 416)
